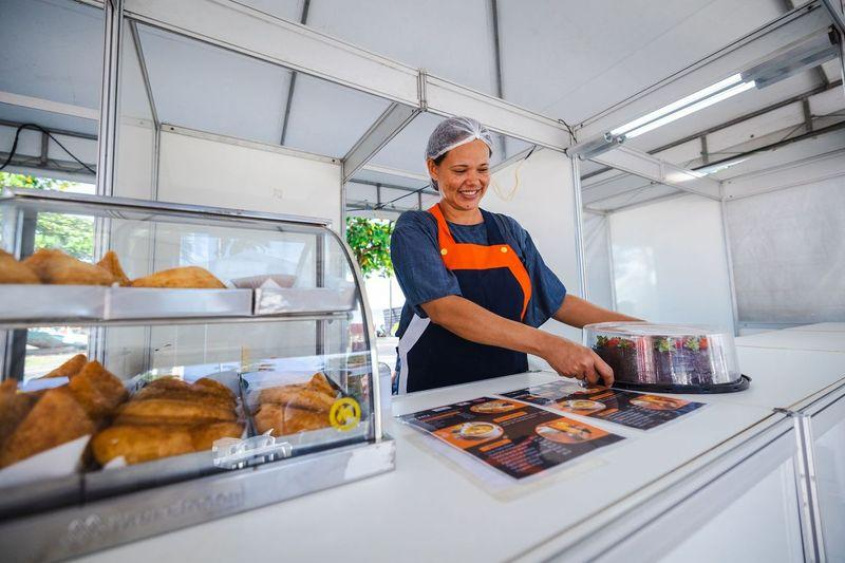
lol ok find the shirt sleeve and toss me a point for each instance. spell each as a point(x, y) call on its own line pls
point(547, 291)
point(419, 269)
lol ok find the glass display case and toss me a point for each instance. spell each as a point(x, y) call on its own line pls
point(167, 364)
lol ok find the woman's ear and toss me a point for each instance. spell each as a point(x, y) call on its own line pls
point(432, 169)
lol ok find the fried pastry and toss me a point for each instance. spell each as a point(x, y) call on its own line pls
point(203, 437)
point(190, 394)
point(54, 420)
point(111, 264)
point(56, 267)
point(282, 420)
point(138, 444)
point(270, 417)
point(12, 271)
point(211, 386)
point(14, 407)
point(185, 277)
point(171, 411)
point(300, 398)
point(168, 382)
point(320, 383)
point(70, 368)
point(300, 420)
point(98, 391)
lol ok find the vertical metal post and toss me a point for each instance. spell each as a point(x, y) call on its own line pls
point(320, 347)
point(107, 137)
point(579, 226)
point(730, 264)
point(15, 349)
point(805, 474)
point(612, 269)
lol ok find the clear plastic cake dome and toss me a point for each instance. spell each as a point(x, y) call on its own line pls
point(668, 358)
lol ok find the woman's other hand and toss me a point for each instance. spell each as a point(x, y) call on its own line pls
point(573, 360)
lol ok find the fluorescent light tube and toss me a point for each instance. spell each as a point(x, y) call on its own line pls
point(682, 103)
point(707, 102)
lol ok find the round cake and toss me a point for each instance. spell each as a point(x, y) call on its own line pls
point(668, 357)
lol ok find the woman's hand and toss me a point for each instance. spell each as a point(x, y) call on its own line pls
point(573, 360)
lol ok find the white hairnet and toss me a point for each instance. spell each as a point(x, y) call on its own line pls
point(454, 132)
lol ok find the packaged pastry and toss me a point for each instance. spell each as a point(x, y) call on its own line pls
point(668, 358)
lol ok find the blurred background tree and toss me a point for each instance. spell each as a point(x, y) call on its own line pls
point(369, 240)
point(70, 233)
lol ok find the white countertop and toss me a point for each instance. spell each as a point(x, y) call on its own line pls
point(429, 509)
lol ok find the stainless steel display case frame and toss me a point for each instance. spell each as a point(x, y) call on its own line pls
point(96, 524)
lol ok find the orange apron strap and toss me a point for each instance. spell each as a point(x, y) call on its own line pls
point(478, 257)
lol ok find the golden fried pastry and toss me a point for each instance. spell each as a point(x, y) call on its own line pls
point(300, 420)
point(171, 411)
point(185, 277)
point(138, 444)
point(98, 391)
point(12, 271)
point(321, 384)
point(56, 267)
point(70, 368)
point(300, 398)
point(168, 382)
point(111, 264)
point(190, 394)
point(282, 420)
point(54, 420)
point(203, 437)
point(14, 407)
point(270, 417)
point(211, 386)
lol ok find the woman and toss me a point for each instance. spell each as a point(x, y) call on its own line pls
point(475, 285)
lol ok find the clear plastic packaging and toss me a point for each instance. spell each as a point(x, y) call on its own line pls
point(669, 358)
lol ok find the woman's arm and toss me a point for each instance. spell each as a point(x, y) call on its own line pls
point(475, 323)
point(577, 312)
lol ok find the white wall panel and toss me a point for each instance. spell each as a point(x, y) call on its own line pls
point(544, 206)
point(669, 262)
point(208, 172)
point(788, 249)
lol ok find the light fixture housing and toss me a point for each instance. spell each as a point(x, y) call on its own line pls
point(595, 147)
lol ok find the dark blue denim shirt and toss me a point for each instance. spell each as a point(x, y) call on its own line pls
point(423, 276)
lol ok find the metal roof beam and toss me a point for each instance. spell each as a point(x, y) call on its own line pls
point(241, 29)
point(646, 166)
point(387, 126)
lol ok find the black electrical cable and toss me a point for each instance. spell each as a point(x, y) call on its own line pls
point(49, 134)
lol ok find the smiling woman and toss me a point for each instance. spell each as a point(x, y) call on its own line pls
point(476, 287)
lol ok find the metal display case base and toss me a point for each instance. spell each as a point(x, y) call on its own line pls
point(109, 522)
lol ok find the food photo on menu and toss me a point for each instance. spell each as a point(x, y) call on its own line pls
point(630, 409)
point(516, 439)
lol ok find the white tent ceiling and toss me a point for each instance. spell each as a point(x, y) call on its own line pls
point(568, 60)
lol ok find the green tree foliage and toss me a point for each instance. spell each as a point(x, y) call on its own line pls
point(369, 240)
point(71, 233)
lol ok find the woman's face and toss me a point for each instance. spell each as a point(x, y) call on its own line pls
point(463, 176)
